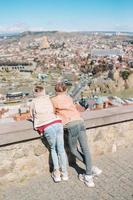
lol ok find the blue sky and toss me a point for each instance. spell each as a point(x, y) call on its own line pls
point(66, 15)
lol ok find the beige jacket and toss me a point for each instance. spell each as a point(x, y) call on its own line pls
point(42, 111)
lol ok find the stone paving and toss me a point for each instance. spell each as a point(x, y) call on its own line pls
point(115, 183)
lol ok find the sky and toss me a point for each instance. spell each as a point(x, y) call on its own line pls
point(66, 15)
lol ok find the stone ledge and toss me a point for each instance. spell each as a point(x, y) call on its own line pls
point(108, 116)
point(23, 131)
point(24, 160)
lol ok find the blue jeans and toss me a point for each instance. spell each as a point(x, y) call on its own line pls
point(55, 137)
point(77, 133)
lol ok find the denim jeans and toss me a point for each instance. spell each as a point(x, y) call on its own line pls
point(54, 135)
point(77, 133)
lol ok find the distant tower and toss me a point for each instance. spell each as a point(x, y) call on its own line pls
point(44, 44)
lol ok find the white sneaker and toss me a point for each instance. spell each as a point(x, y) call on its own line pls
point(56, 176)
point(81, 177)
point(87, 179)
point(96, 171)
point(64, 177)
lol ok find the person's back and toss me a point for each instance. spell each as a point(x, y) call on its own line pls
point(50, 126)
point(76, 131)
point(65, 108)
point(43, 110)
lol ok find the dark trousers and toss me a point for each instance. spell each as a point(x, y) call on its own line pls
point(77, 133)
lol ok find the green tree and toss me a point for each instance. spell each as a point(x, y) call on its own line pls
point(125, 74)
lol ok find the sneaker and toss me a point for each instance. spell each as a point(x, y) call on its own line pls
point(81, 177)
point(56, 176)
point(64, 177)
point(96, 171)
point(87, 179)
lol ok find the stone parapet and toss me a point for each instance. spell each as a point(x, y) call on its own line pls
point(23, 154)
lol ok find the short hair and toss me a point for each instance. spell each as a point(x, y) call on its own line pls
point(60, 87)
point(38, 88)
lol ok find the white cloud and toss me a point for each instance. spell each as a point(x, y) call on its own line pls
point(123, 27)
point(20, 27)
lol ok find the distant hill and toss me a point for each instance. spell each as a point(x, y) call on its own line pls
point(37, 33)
point(53, 32)
point(27, 33)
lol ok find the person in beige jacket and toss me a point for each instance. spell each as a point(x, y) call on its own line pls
point(50, 126)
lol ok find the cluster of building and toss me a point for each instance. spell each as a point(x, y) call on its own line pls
point(91, 62)
point(65, 50)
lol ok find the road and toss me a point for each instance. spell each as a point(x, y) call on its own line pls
point(115, 183)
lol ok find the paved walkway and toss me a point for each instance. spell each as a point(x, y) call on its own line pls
point(115, 183)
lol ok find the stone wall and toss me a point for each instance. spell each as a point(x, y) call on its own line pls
point(21, 161)
point(110, 138)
